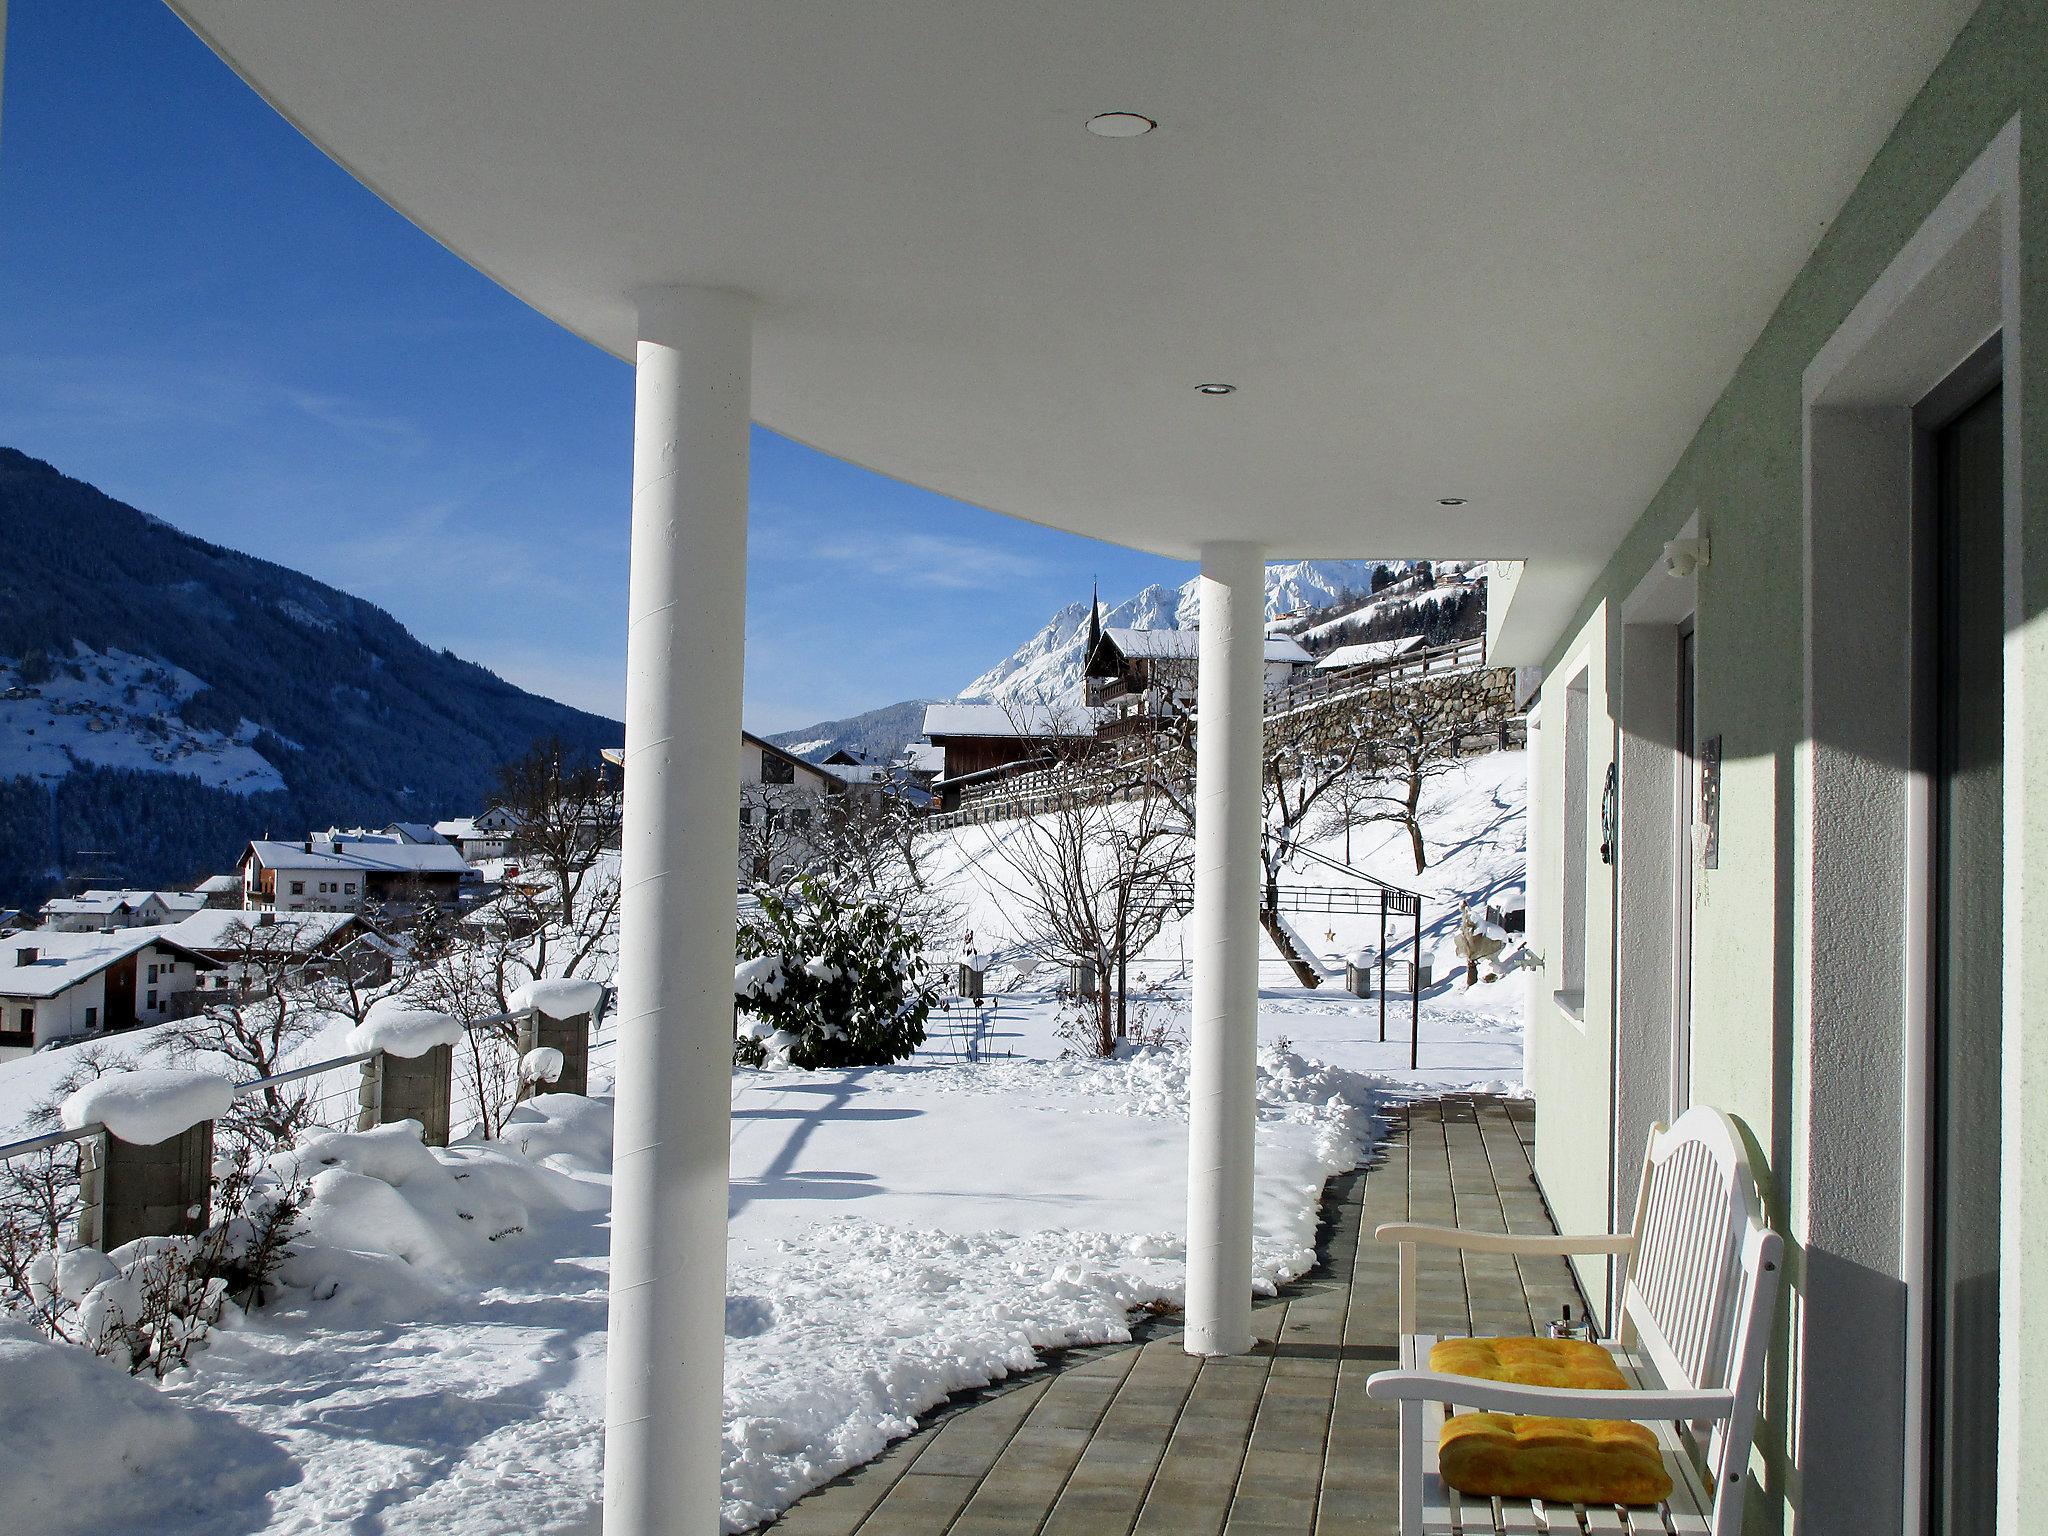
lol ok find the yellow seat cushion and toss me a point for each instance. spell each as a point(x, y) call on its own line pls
point(1529, 1362)
point(1563, 1461)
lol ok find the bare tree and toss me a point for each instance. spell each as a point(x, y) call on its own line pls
point(1311, 758)
point(559, 916)
point(256, 1020)
point(473, 982)
point(872, 843)
point(1097, 873)
point(566, 839)
point(779, 836)
point(1415, 732)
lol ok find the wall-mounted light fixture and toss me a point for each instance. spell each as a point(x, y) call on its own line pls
point(1684, 556)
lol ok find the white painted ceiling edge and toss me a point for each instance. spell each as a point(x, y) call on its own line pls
point(1510, 253)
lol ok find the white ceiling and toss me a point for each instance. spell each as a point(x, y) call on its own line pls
point(1509, 250)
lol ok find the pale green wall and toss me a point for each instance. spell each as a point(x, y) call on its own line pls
point(1742, 474)
point(1570, 1067)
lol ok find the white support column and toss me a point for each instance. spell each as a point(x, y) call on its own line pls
point(687, 606)
point(1222, 1098)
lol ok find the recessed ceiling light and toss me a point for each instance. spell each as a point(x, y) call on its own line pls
point(1120, 125)
point(1215, 389)
point(1450, 501)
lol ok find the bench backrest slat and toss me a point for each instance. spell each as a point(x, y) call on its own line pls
point(1702, 1280)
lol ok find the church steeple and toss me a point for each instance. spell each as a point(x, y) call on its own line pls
point(1094, 616)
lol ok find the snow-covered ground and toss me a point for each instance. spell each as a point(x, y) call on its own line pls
point(896, 1234)
point(120, 711)
point(1470, 1037)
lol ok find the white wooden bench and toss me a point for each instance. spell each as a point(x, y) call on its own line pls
point(1702, 1279)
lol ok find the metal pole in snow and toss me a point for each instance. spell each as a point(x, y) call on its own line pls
point(1415, 993)
point(1383, 967)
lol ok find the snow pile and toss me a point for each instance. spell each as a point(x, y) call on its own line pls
point(559, 997)
point(382, 1199)
point(92, 1449)
point(148, 1104)
point(399, 1028)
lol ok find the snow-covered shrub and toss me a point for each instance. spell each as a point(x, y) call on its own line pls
point(829, 980)
point(149, 1304)
point(39, 1201)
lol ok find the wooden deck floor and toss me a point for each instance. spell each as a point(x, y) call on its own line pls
point(1141, 1438)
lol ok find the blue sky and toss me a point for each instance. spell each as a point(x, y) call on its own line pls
point(207, 318)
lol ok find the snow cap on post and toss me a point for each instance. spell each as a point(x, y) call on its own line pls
point(542, 1064)
point(148, 1104)
point(559, 997)
point(399, 1028)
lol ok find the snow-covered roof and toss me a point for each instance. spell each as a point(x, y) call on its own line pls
point(100, 903)
point(218, 885)
point(62, 960)
point(1166, 644)
point(414, 832)
point(1186, 644)
point(1022, 720)
point(220, 928)
point(1368, 652)
point(383, 855)
point(923, 757)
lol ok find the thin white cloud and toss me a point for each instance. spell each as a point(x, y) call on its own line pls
point(934, 560)
point(363, 427)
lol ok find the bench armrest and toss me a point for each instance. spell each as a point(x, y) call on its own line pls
point(1552, 1402)
point(1503, 1242)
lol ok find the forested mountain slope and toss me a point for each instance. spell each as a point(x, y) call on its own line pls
point(163, 699)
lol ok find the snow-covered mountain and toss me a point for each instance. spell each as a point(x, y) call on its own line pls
point(165, 699)
point(1047, 667)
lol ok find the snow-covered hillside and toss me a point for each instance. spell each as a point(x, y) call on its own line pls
point(1047, 667)
point(116, 710)
point(1476, 831)
point(1402, 598)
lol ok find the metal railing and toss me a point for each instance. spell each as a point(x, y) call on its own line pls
point(27, 1145)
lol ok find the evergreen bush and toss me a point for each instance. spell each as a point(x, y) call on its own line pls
point(829, 980)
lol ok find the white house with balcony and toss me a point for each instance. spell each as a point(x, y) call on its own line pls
point(74, 986)
point(343, 871)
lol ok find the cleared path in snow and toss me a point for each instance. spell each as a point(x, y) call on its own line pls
point(1145, 1439)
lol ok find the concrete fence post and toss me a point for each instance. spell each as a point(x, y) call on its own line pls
point(970, 982)
point(409, 1088)
point(127, 1191)
point(571, 1036)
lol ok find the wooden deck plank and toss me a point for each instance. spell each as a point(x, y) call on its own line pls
point(1147, 1439)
